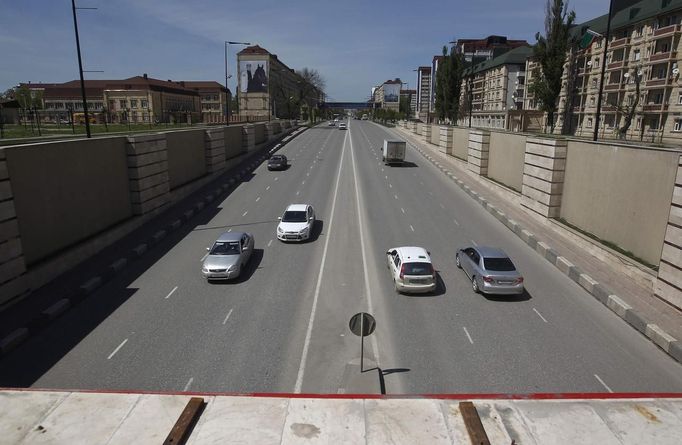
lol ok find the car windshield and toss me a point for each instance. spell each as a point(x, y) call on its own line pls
point(417, 269)
point(498, 264)
point(225, 248)
point(294, 216)
point(276, 158)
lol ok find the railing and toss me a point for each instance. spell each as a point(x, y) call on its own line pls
point(618, 43)
point(616, 64)
point(655, 107)
point(662, 56)
point(667, 30)
point(612, 86)
point(655, 82)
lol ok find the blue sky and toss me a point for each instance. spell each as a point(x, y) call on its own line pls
point(354, 44)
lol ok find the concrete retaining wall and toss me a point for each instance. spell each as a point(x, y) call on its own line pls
point(186, 156)
point(505, 163)
point(435, 135)
point(66, 191)
point(669, 280)
point(460, 148)
point(234, 141)
point(260, 133)
point(620, 194)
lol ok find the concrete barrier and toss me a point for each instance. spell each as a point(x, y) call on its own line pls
point(506, 161)
point(186, 156)
point(435, 134)
point(460, 143)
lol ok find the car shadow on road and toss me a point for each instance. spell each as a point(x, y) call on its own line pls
point(440, 289)
point(249, 270)
point(525, 296)
point(317, 230)
point(281, 169)
point(405, 164)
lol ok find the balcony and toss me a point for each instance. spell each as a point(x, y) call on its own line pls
point(667, 31)
point(659, 57)
point(655, 107)
point(655, 82)
point(618, 43)
point(612, 86)
point(615, 65)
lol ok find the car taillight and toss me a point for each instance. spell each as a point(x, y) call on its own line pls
point(488, 279)
point(402, 271)
point(519, 280)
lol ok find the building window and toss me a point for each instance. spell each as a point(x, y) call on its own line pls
point(596, 62)
point(638, 125)
point(122, 103)
point(589, 122)
point(594, 82)
point(592, 101)
point(636, 55)
point(144, 103)
point(678, 125)
point(133, 103)
point(653, 124)
point(679, 98)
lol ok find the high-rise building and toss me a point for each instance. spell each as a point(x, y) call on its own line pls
point(423, 93)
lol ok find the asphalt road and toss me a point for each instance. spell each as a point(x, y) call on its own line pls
point(283, 327)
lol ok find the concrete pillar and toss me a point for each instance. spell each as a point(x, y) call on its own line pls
point(416, 127)
point(543, 176)
point(426, 132)
point(248, 137)
point(214, 145)
point(669, 281)
point(479, 151)
point(13, 282)
point(446, 138)
point(148, 172)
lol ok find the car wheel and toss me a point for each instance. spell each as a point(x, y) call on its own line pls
point(395, 286)
point(458, 263)
point(474, 285)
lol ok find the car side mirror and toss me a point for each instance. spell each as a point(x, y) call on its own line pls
point(310, 219)
point(279, 218)
point(208, 248)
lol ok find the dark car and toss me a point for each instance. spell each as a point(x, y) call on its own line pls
point(277, 162)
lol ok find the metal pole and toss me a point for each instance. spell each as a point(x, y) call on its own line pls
point(603, 71)
point(362, 342)
point(80, 69)
point(227, 103)
point(35, 111)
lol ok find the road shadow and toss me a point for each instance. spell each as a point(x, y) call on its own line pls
point(249, 270)
point(317, 230)
point(283, 169)
point(385, 372)
point(405, 164)
point(525, 296)
point(234, 226)
point(440, 289)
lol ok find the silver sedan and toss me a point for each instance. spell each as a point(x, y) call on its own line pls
point(228, 256)
point(490, 270)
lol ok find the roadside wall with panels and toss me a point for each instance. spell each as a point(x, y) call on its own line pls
point(506, 159)
point(260, 132)
point(620, 194)
point(460, 143)
point(186, 156)
point(67, 191)
point(233, 141)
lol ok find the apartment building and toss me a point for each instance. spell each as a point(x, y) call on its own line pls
point(643, 53)
point(435, 63)
point(213, 97)
point(496, 90)
point(411, 96)
point(423, 93)
point(270, 89)
point(387, 95)
point(487, 48)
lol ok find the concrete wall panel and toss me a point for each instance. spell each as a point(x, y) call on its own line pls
point(620, 194)
point(67, 191)
point(506, 158)
point(435, 135)
point(461, 143)
point(186, 156)
point(260, 132)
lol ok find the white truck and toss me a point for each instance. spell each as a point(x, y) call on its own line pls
point(394, 152)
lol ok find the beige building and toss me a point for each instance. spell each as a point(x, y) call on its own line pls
point(496, 88)
point(269, 89)
point(214, 98)
point(387, 95)
point(644, 48)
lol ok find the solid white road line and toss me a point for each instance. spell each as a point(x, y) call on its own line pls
point(602, 383)
point(395, 196)
point(276, 178)
point(117, 348)
point(189, 383)
point(171, 292)
point(258, 199)
point(455, 221)
point(203, 258)
point(370, 308)
point(411, 228)
point(228, 316)
point(269, 243)
point(311, 321)
point(468, 336)
point(540, 315)
point(230, 229)
point(474, 243)
point(244, 214)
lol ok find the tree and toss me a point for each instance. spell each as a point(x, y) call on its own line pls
point(8, 94)
point(404, 106)
point(441, 99)
point(449, 85)
point(312, 81)
point(629, 109)
point(550, 52)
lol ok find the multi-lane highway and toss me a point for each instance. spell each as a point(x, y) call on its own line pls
point(283, 327)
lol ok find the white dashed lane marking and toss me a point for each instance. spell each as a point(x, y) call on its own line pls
point(117, 349)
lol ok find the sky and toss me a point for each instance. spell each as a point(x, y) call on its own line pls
point(354, 44)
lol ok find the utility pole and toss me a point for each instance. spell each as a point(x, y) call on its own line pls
point(80, 68)
point(603, 71)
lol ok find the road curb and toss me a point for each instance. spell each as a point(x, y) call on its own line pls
point(669, 344)
point(19, 335)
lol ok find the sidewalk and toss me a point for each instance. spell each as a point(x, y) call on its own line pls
point(617, 281)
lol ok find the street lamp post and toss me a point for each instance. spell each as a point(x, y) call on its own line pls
point(227, 76)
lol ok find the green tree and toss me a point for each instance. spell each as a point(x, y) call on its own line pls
point(449, 85)
point(550, 52)
point(441, 98)
point(404, 106)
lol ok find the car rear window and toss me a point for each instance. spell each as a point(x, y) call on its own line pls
point(277, 158)
point(417, 269)
point(294, 216)
point(225, 248)
point(498, 264)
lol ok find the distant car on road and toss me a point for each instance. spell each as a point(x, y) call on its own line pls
point(296, 224)
point(277, 162)
point(411, 269)
point(490, 270)
point(332, 123)
point(228, 256)
point(342, 126)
